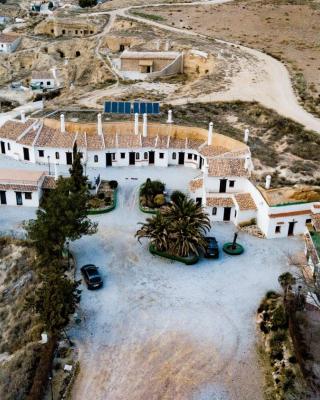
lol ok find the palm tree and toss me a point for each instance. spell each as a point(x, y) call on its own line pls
point(179, 228)
point(286, 280)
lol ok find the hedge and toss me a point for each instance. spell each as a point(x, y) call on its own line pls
point(186, 260)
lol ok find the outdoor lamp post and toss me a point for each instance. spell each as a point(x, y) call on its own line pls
point(51, 390)
point(49, 164)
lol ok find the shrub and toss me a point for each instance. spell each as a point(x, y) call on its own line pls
point(263, 327)
point(272, 295)
point(101, 196)
point(279, 318)
point(177, 196)
point(113, 184)
point(159, 200)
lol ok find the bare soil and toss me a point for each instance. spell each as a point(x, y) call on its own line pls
point(287, 30)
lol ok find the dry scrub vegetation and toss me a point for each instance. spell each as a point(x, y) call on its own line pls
point(286, 29)
point(19, 330)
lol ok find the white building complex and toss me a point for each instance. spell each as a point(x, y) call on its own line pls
point(224, 185)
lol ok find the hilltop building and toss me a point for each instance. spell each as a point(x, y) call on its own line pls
point(224, 186)
point(8, 43)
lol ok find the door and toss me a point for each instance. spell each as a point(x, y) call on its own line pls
point(69, 158)
point(108, 160)
point(201, 162)
point(19, 198)
point(26, 155)
point(3, 197)
point(151, 157)
point(3, 148)
point(223, 186)
point(226, 213)
point(291, 229)
point(181, 158)
point(132, 158)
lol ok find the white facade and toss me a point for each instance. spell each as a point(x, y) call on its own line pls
point(8, 45)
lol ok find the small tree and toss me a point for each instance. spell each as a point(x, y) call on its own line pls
point(286, 280)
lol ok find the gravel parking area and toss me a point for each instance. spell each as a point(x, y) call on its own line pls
point(162, 330)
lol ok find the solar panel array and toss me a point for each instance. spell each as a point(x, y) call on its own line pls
point(125, 107)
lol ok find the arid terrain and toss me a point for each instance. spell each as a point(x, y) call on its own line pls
point(287, 30)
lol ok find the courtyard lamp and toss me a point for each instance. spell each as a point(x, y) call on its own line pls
point(49, 165)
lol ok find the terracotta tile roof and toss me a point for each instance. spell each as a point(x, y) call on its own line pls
point(290, 214)
point(162, 142)
point(95, 142)
point(245, 201)
point(316, 205)
point(13, 129)
point(227, 167)
point(148, 141)
point(316, 222)
point(220, 202)
point(195, 184)
point(81, 140)
point(128, 141)
point(50, 137)
point(49, 182)
point(18, 188)
point(42, 75)
point(194, 144)
point(212, 151)
point(29, 137)
point(8, 38)
point(177, 143)
point(110, 140)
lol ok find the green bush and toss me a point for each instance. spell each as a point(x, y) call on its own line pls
point(279, 318)
point(159, 200)
point(177, 196)
point(113, 184)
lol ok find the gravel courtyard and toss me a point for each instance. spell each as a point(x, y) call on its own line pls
point(162, 330)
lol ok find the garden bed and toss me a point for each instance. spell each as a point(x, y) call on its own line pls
point(190, 260)
point(105, 200)
point(151, 196)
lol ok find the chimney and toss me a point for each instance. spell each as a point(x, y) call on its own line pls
point(167, 45)
point(247, 163)
point(136, 124)
point(268, 182)
point(56, 173)
point(145, 126)
point(210, 133)
point(169, 120)
point(62, 124)
point(246, 135)
point(99, 125)
point(23, 116)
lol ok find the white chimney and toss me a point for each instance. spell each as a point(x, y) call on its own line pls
point(136, 124)
point(167, 45)
point(56, 173)
point(23, 116)
point(247, 163)
point(169, 120)
point(210, 133)
point(99, 125)
point(268, 181)
point(145, 126)
point(246, 135)
point(62, 124)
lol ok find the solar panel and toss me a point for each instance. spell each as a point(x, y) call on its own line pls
point(127, 108)
point(136, 108)
point(143, 108)
point(149, 108)
point(114, 107)
point(156, 108)
point(121, 107)
point(107, 106)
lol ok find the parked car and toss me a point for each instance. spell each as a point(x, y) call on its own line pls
point(212, 250)
point(91, 276)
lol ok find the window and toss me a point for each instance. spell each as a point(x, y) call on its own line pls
point(231, 183)
point(63, 31)
point(28, 195)
point(308, 221)
point(278, 229)
point(214, 210)
point(174, 156)
point(123, 155)
point(57, 155)
point(189, 156)
point(80, 154)
point(161, 155)
point(9, 147)
point(96, 158)
point(76, 32)
point(41, 153)
point(195, 157)
point(137, 156)
point(145, 155)
point(48, 83)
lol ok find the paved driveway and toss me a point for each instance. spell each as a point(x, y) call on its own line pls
point(162, 330)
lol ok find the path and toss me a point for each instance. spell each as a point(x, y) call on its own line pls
point(263, 79)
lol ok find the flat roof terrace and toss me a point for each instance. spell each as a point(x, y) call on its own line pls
point(290, 195)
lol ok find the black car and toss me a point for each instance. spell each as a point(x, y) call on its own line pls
point(91, 276)
point(212, 249)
